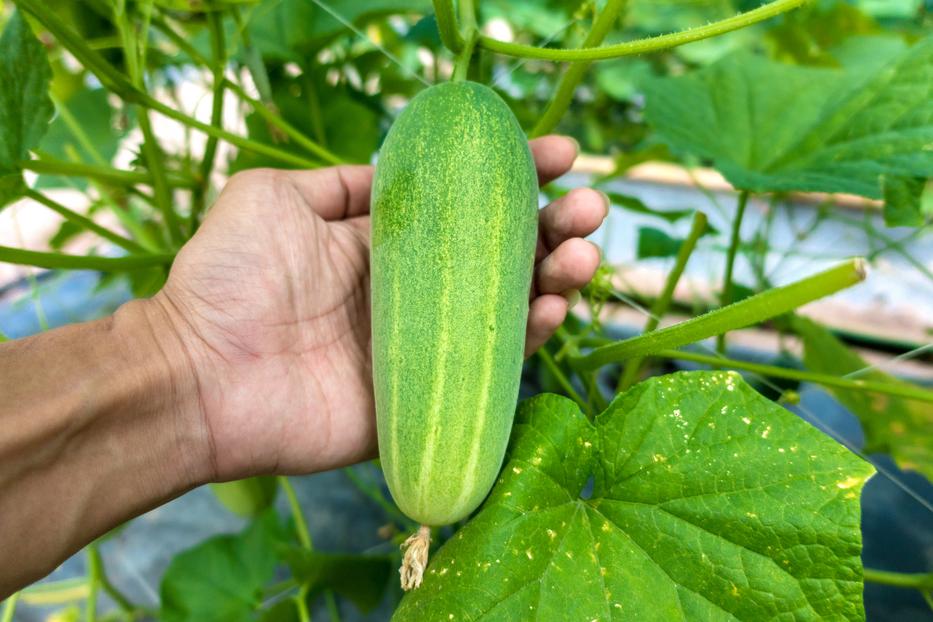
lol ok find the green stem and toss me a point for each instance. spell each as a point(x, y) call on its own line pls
point(301, 526)
point(575, 73)
point(151, 150)
point(897, 390)
point(289, 130)
point(331, 603)
point(663, 302)
point(239, 141)
point(253, 57)
point(301, 603)
point(750, 311)
point(113, 176)
point(467, 16)
point(84, 222)
point(93, 581)
point(462, 66)
point(154, 156)
point(9, 607)
point(561, 378)
point(734, 240)
point(641, 46)
point(215, 27)
point(60, 261)
point(109, 76)
point(100, 579)
point(116, 82)
point(918, 581)
point(447, 25)
point(267, 114)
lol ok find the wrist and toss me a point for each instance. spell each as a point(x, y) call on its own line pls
point(167, 386)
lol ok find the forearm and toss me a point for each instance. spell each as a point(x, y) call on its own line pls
point(98, 423)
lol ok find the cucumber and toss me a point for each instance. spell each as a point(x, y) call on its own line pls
point(454, 228)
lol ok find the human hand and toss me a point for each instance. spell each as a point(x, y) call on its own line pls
point(270, 303)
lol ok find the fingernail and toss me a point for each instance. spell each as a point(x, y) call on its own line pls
point(607, 203)
point(573, 297)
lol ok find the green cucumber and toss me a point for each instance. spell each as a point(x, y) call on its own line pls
point(454, 228)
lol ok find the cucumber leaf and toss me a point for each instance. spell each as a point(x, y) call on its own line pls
point(222, 578)
point(25, 106)
point(897, 426)
point(774, 127)
point(708, 502)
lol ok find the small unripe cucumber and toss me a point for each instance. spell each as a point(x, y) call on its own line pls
point(454, 228)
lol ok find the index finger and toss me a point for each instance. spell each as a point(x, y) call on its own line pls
point(554, 155)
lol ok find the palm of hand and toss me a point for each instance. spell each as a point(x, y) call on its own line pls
point(277, 299)
point(271, 301)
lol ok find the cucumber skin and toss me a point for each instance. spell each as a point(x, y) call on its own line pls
point(454, 229)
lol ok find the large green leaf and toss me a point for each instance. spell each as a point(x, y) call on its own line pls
point(893, 425)
point(222, 578)
point(709, 503)
point(774, 127)
point(25, 107)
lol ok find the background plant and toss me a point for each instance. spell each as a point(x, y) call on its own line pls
point(832, 97)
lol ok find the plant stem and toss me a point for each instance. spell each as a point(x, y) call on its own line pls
point(898, 390)
point(9, 607)
point(151, 150)
point(116, 82)
point(561, 378)
point(575, 72)
point(301, 526)
point(462, 66)
point(244, 143)
point(113, 176)
point(301, 603)
point(447, 25)
point(108, 75)
point(60, 261)
point(93, 580)
point(84, 222)
point(734, 241)
point(258, 106)
point(752, 310)
point(154, 156)
point(641, 46)
point(918, 581)
point(289, 130)
point(467, 16)
point(215, 27)
point(663, 302)
point(331, 603)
